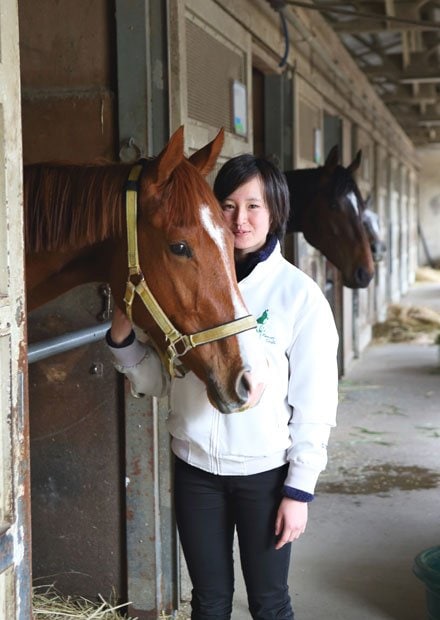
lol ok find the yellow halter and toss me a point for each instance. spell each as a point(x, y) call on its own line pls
point(178, 344)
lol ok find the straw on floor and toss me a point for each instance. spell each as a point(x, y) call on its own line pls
point(408, 323)
point(48, 604)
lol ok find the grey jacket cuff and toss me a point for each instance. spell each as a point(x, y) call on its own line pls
point(130, 355)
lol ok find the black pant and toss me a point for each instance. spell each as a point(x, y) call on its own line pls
point(208, 508)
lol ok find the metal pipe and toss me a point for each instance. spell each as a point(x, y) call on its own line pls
point(46, 348)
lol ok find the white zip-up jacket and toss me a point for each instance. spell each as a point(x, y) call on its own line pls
point(292, 421)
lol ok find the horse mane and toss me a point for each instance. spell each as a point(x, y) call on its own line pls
point(67, 204)
point(342, 182)
point(74, 204)
point(306, 181)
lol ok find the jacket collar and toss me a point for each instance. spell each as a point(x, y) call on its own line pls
point(244, 267)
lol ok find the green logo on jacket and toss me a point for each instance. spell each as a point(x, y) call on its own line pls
point(262, 325)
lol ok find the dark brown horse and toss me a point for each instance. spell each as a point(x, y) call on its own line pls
point(326, 206)
point(76, 232)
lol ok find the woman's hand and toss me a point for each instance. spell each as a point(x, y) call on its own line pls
point(291, 521)
point(121, 326)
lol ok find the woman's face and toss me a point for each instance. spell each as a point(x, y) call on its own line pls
point(248, 217)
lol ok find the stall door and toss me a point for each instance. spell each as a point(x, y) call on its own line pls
point(333, 278)
point(15, 580)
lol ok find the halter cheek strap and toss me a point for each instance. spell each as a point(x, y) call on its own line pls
point(177, 343)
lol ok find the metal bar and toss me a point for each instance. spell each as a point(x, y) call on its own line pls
point(46, 348)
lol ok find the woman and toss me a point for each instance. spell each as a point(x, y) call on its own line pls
point(254, 472)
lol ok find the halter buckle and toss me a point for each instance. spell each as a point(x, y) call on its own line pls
point(183, 342)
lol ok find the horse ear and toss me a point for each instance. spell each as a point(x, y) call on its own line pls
point(205, 159)
point(332, 158)
point(355, 163)
point(169, 158)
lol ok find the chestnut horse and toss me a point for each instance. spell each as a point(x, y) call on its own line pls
point(76, 232)
point(326, 206)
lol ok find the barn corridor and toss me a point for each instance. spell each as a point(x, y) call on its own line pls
point(378, 503)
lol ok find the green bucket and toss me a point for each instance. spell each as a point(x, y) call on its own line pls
point(427, 568)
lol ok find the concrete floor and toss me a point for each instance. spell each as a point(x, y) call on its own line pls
point(378, 503)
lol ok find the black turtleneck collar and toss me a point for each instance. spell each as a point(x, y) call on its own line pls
point(244, 267)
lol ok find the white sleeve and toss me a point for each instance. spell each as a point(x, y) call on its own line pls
point(312, 394)
point(142, 366)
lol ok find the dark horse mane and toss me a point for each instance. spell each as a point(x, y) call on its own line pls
point(340, 183)
point(67, 204)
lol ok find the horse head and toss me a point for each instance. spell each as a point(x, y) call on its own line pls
point(186, 256)
point(370, 220)
point(326, 206)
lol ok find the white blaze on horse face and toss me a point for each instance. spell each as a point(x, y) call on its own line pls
point(371, 219)
point(354, 202)
point(217, 235)
point(249, 343)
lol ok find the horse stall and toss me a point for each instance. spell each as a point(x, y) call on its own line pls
point(69, 113)
point(101, 519)
point(379, 198)
point(412, 225)
point(363, 299)
point(404, 238)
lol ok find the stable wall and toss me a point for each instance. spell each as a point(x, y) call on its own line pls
point(68, 78)
point(429, 204)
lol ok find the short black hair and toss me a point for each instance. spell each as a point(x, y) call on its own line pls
point(242, 169)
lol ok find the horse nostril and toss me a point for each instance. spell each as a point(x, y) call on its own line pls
point(243, 386)
point(362, 277)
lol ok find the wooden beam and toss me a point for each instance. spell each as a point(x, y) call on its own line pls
point(380, 24)
point(408, 99)
point(406, 121)
point(362, 18)
point(413, 73)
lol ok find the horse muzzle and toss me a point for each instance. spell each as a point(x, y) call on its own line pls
point(247, 392)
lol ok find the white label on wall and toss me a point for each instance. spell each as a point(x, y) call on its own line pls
point(239, 108)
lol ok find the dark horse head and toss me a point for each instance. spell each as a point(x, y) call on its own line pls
point(326, 206)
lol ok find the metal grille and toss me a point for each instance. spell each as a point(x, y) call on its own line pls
point(309, 120)
point(211, 68)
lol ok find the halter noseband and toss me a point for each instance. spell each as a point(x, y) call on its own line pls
point(178, 344)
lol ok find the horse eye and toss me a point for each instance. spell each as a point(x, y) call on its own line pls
point(181, 249)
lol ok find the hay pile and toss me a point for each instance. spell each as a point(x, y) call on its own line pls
point(408, 323)
point(48, 604)
point(427, 274)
